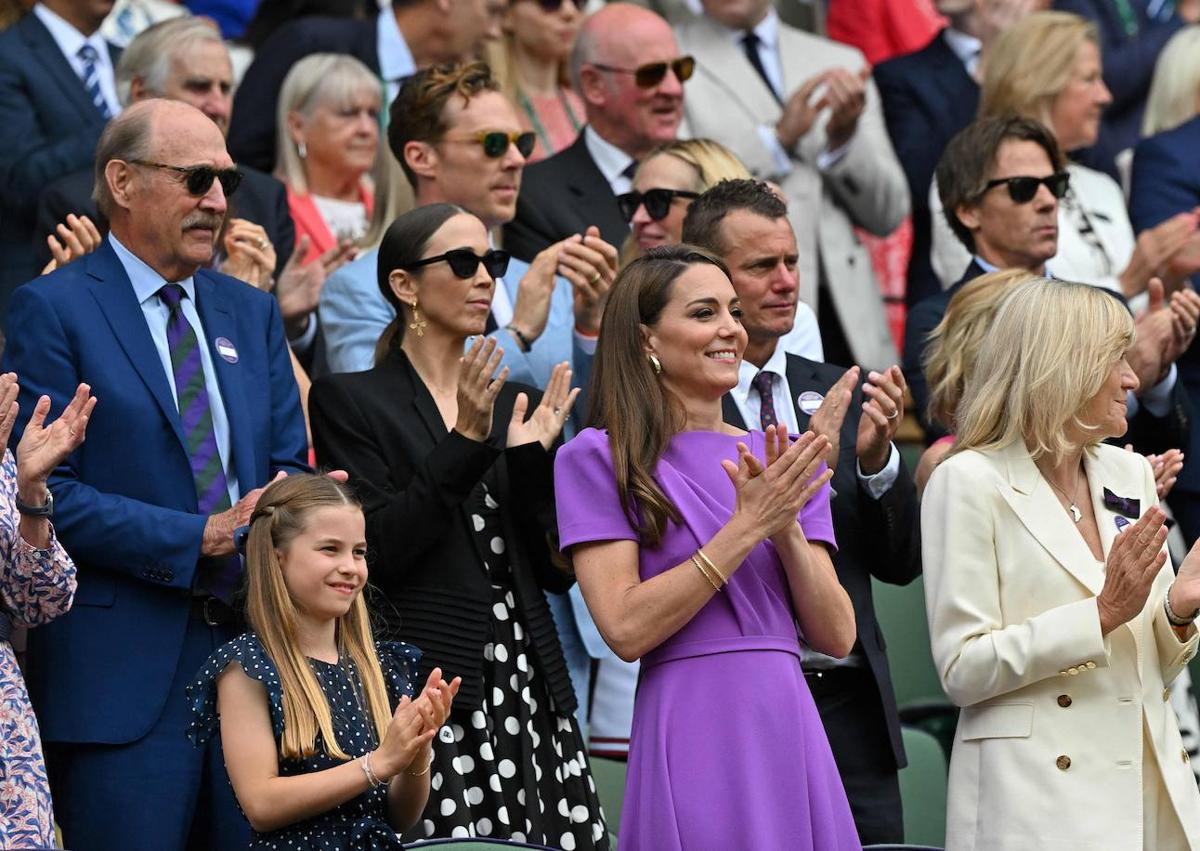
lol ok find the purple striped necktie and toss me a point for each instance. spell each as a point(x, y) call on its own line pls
point(195, 416)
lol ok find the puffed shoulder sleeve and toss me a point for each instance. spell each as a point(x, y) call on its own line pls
point(399, 663)
point(585, 492)
point(247, 651)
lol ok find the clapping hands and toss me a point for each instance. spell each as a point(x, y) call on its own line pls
point(43, 447)
point(549, 416)
point(770, 496)
point(407, 740)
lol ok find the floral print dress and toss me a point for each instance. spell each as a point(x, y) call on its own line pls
point(36, 586)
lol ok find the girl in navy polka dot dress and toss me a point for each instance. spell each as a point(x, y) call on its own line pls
point(317, 757)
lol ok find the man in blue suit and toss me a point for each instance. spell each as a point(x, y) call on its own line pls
point(1166, 181)
point(56, 92)
point(200, 410)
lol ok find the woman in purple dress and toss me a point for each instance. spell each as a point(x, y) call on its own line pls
point(686, 545)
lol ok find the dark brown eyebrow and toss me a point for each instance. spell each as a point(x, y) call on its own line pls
point(707, 300)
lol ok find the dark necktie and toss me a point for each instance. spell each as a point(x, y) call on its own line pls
point(764, 383)
point(195, 417)
point(630, 170)
point(91, 79)
point(751, 42)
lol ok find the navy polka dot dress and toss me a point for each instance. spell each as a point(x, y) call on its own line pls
point(359, 824)
point(516, 769)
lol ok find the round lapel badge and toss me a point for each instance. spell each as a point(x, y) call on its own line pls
point(809, 401)
point(227, 350)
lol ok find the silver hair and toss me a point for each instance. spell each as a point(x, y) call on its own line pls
point(149, 56)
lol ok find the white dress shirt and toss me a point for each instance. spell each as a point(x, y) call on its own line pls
point(966, 47)
point(610, 159)
point(395, 58)
point(69, 41)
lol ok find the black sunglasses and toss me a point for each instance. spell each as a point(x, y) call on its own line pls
point(657, 201)
point(199, 178)
point(550, 6)
point(496, 142)
point(464, 262)
point(1023, 189)
point(650, 75)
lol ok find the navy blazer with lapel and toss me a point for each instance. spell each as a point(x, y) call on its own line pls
point(125, 501)
point(252, 126)
point(48, 127)
point(560, 196)
point(928, 96)
point(875, 537)
point(414, 478)
point(260, 199)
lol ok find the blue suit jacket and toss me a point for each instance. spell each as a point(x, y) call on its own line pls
point(1128, 70)
point(927, 96)
point(48, 127)
point(354, 313)
point(1166, 181)
point(125, 501)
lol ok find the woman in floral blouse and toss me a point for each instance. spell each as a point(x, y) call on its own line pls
point(37, 584)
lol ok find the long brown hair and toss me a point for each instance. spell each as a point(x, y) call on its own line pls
point(281, 515)
point(626, 397)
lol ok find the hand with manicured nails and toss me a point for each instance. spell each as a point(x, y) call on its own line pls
point(548, 418)
point(1134, 560)
point(770, 496)
point(477, 389)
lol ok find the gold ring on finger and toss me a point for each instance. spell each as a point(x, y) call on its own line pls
point(262, 244)
point(595, 277)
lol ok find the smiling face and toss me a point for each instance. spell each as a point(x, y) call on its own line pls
point(663, 172)
point(325, 566)
point(1076, 111)
point(1107, 408)
point(547, 36)
point(699, 338)
point(463, 173)
point(452, 305)
point(762, 259)
point(1011, 235)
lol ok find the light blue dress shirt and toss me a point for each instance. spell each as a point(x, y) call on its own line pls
point(146, 284)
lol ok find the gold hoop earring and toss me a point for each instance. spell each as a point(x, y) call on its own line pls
point(655, 363)
point(417, 324)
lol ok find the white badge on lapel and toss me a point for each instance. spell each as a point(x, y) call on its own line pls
point(226, 350)
point(809, 401)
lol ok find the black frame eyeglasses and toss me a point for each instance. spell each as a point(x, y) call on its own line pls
point(495, 142)
point(1023, 189)
point(652, 73)
point(199, 178)
point(657, 202)
point(464, 262)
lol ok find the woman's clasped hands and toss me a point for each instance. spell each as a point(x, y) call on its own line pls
point(770, 496)
point(407, 741)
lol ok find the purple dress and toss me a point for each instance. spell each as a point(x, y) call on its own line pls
point(727, 749)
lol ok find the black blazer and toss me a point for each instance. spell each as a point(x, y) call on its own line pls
point(875, 537)
point(1148, 434)
point(413, 477)
point(560, 196)
point(252, 126)
point(48, 127)
point(260, 199)
point(927, 97)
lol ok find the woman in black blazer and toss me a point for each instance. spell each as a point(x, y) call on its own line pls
point(457, 487)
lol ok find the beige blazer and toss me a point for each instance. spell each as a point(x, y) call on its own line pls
point(1048, 752)
point(726, 100)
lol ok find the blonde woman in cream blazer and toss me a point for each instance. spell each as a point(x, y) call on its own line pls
point(1059, 659)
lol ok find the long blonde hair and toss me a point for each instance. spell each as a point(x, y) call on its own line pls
point(281, 515)
point(1032, 63)
point(1050, 350)
point(1175, 91)
point(954, 344)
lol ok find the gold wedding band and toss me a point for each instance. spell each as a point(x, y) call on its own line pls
point(263, 243)
point(595, 277)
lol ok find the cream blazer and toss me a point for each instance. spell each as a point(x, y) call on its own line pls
point(727, 101)
point(1048, 751)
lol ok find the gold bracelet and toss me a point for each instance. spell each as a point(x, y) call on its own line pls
point(704, 572)
point(708, 561)
point(424, 770)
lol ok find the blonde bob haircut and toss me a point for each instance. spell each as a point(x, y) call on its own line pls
point(282, 513)
point(1051, 347)
point(322, 79)
point(954, 344)
point(1031, 63)
point(1175, 92)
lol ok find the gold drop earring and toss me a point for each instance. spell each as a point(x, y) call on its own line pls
point(417, 324)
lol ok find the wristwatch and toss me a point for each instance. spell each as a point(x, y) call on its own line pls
point(45, 510)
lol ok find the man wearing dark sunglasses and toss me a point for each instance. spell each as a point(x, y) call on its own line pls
point(1000, 181)
point(800, 110)
point(199, 412)
point(631, 75)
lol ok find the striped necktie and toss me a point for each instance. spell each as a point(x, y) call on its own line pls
point(195, 416)
point(91, 79)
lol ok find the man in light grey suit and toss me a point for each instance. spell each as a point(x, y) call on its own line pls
point(801, 110)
